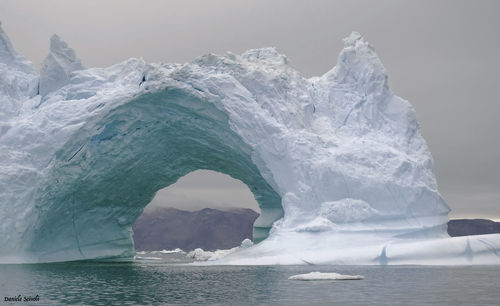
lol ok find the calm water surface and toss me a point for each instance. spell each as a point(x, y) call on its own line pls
point(163, 283)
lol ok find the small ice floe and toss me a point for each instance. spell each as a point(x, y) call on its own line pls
point(146, 258)
point(324, 276)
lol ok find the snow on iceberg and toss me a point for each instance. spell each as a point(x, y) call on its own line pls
point(324, 276)
point(337, 162)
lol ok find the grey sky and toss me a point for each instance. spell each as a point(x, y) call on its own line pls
point(442, 56)
point(204, 188)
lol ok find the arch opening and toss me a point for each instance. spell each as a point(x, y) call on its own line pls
point(203, 209)
point(204, 189)
point(103, 178)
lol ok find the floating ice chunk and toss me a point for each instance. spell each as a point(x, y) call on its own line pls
point(202, 255)
point(147, 258)
point(324, 276)
point(177, 250)
point(246, 243)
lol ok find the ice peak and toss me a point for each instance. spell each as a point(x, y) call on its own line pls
point(10, 57)
point(358, 64)
point(60, 47)
point(57, 43)
point(58, 65)
point(350, 41)
point(7, 51)
point(18, 80)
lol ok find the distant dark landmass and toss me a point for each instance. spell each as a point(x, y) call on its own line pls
point(209, 229)
point(212, 229)
point(467, 227)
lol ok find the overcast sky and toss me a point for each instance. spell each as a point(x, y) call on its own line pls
point(442, 56)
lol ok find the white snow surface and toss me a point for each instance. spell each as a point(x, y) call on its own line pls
point(337, 163)
point(324, 276)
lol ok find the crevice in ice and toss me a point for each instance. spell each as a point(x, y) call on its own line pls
point(74, 228)
point(79, 149)
point(382, 259)
point(307, 262)
point(358, 105)
point(469, 254)
point(346, 186)
point(490, 247)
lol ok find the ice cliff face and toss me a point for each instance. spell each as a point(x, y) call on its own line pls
point(336, 163)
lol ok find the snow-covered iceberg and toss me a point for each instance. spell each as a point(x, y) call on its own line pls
point(337, 163)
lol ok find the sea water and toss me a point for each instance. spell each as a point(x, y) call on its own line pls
point(159, 282)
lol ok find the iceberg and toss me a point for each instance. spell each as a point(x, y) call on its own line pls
point(336, 163)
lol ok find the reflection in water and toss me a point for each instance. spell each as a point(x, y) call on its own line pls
point(160, 282)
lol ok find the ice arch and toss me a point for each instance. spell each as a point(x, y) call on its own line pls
point(340, 157)
point(109, 171)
